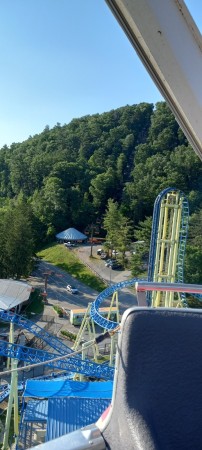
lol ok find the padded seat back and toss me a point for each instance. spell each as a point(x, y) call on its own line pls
point(157, 398)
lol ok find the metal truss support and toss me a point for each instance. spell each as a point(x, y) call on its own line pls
point(72, 364)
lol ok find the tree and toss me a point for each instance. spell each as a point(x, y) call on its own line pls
point(143, 233)
point(103, 187)
point(193, 257)
point(143, 236)
point(193, 265)
point(125, 237)
point(54, 200)
point(17, 247)
point(111, 223)
point(195, 229)
point(119, 229)
point(136, 265)
point(129, 155)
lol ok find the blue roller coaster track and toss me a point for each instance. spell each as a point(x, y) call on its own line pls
point(96, 316)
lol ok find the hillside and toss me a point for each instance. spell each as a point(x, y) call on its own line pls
point(65, 176)
point(130, 154)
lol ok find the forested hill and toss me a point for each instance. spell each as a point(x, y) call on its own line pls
point(129, 154)
point(67, 174)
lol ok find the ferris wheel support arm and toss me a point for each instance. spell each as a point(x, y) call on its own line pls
point(143, 286)
point(169, 44)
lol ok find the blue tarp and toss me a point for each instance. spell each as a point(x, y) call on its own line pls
point(68, 414)
point(68, 388)
point(36, 411)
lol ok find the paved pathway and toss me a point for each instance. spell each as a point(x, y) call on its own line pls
point(127, 297)
point(58, 279)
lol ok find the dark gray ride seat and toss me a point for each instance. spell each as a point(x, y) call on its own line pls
point(157, 398)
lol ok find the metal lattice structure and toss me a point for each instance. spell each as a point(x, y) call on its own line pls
point(168, 244)
point(166, 257)
point(73, 364)
point(52, 341)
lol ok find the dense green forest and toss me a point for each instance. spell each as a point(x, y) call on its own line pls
point(65, 176)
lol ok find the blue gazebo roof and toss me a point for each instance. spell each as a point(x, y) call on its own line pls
point(71, 234)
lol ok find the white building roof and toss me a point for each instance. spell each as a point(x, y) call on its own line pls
point(13, 293)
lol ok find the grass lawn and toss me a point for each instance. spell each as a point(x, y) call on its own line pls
point(58, 255)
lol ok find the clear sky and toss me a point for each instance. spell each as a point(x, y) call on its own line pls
point(62, 59)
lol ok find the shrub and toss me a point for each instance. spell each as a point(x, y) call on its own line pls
point(69, 335)
point(58, 310)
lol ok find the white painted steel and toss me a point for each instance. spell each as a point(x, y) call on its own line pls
point(170, 45)
point(170, 287)
point(83, 439)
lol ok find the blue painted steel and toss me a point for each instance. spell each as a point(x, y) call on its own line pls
point(72, 364)
point(5, 391)
point(68, 388)
point(56, 375)
point(5, 388)
point(36, 411)
point(57, 344)
point(105, 323)
point(68, 414)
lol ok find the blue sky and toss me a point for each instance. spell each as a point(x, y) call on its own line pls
point(62, 59)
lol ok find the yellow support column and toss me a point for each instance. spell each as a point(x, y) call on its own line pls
point(13, 396)
point(174, 242)
point(156, 297)
point(82, 328)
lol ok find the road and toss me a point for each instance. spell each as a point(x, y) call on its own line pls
point(127, 297)
point(58, 279)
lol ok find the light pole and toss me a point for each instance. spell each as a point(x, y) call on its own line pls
point(91, 244)
point(110, 275)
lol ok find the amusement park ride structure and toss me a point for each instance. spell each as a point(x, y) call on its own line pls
point(168, 245)
point(169, 44)
point(165, 279)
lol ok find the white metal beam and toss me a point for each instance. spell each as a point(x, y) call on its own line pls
point(170, 45)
